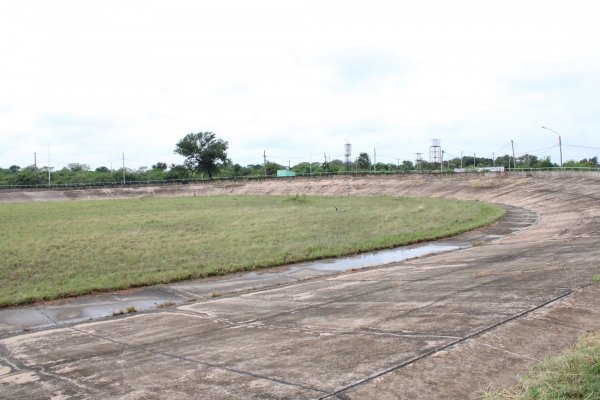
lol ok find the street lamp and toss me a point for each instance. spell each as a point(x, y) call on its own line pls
point(559, 142)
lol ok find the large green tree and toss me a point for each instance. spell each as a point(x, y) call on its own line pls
point(363, 161)
point(203, 152)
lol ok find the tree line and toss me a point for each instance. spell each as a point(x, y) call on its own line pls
point(206, 157)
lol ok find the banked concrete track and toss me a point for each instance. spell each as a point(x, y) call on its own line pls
point(446, 326)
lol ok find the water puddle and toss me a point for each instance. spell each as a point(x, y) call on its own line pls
point(378, 257)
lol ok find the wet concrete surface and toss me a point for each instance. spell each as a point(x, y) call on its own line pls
point(446, 326)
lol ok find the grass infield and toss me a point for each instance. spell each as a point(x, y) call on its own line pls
point(53, 250)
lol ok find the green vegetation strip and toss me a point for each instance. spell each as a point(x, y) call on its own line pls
point(53, 250)
point(575, 374)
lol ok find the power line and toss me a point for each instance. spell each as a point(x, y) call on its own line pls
point(582, 147)
point(537, 150)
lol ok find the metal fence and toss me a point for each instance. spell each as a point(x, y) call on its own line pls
point(132, 184)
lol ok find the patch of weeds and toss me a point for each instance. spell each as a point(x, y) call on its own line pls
point(214, 293)
point(166, 304)
point(534, 392)
point(128, 310)
point(596, 278)
point(574, 374)
point(297, 198)
point(483, 274)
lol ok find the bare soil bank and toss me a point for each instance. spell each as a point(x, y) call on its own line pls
point(466, 186)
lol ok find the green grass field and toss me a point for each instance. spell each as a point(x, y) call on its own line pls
point(53, 250)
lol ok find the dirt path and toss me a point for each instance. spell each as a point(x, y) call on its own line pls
point(446, 326)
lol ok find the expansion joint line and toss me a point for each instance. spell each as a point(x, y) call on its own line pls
point(199, 362)
point(447, 346)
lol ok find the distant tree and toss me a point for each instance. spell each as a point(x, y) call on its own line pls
point(203, 152)
point(76, 167)
point(382, 166)
point(176, 172)
point(102, 170)
point(14, 168)
point(236, 170)
point(543, 163)
point(27, 176)
point(336, 166)
point(302, 168)
point(407, 165)
point(592, 162)
point(526, 161)
point(160, 166)
point(363, 162)
point(273, 167)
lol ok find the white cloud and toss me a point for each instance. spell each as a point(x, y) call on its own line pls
point(97, 79)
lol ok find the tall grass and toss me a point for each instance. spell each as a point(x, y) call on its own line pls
point(574, 374)
point(52, 250)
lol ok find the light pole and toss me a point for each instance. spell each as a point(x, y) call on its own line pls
point(559, 142)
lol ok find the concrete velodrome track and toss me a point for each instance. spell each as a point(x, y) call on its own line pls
point(445, 326)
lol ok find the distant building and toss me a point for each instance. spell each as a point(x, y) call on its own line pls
point(285, 172)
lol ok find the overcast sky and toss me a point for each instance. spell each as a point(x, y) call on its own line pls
point(86, 81)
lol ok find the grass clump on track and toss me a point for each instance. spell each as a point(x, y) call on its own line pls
point(575, 374)
point(53, 250)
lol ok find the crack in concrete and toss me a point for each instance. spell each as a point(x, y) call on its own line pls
point(490, 346)
point(445, 347)
point(199, 362)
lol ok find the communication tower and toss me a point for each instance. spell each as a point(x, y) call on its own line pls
point(418, 161)
point(348, 154)
point(435, 152)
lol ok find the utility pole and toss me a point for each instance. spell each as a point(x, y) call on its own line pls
point(49, 168)
point(474, 161)
point(123, 168)
point(513, 150)
point(265, 161)
point(461, 157)
point(493, 162)
point(374, 159)
point(442, 161)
